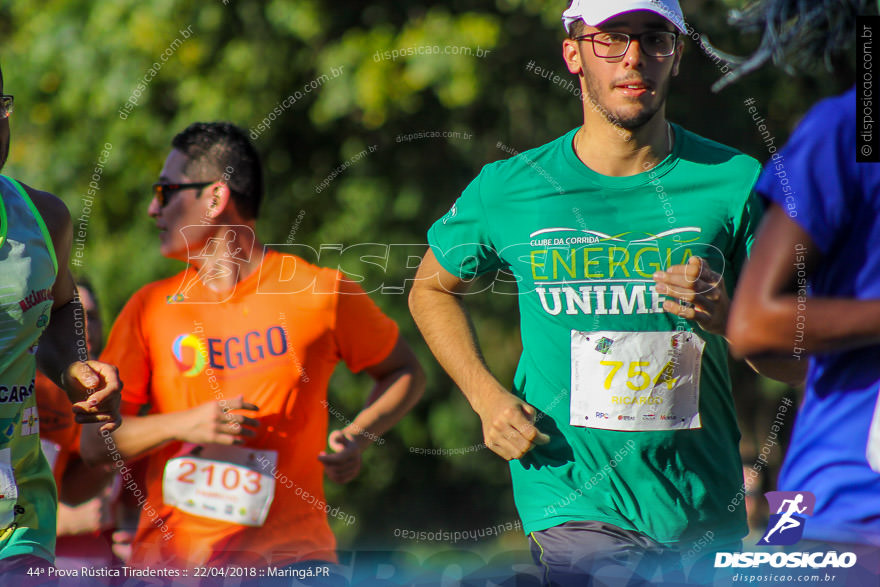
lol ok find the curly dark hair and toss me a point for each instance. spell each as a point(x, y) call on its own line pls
point(796, 34)
point(221, 150)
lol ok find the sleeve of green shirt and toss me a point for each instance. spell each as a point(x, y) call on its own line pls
point(461, 240)
point(745, 225)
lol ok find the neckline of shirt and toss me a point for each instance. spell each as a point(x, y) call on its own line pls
point(242, 288)
point(628, 181)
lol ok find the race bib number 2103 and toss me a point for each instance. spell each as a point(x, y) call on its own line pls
point(636, 381)
point(220, 482)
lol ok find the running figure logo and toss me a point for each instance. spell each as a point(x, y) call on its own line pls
point(786, 526)
point(227, 259)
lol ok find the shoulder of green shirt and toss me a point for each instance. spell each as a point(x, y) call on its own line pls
point(500, 172)
point(713, 150)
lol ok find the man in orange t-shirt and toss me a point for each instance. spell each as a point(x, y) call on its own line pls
point(226, 368)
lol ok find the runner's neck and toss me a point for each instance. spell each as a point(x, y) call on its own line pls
point(242, 252)
point(611, 150)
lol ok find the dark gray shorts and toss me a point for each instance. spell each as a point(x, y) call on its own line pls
point(586, 553)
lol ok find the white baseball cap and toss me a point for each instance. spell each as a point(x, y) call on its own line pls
point(595, 12)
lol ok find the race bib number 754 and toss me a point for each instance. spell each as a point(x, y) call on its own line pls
point(636, 381)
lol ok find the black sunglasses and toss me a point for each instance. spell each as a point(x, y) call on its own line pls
point(164, 191)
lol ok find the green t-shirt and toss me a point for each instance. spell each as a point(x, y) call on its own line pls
point(28, 266)
point(637, 402)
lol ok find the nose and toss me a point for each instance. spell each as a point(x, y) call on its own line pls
point(634, 56)
point(154, 209)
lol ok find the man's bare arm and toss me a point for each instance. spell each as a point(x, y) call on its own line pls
point(400, 383)
point(706, 302)
point(209, 423)
point(436, 305)
point(766, 315)
point(93, 387)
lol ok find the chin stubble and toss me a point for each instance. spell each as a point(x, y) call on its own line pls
point(631, 123)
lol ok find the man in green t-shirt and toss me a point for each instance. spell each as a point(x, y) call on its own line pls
point(620, 428)
point(41, 323)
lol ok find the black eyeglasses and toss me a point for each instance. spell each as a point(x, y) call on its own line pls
point(6, 102)
point(164, 191)
point(611, 45)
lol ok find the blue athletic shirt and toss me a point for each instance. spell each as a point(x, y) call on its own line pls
point(816, 180)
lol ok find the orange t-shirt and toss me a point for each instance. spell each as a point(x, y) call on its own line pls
point(59, 432)
point(275, 339)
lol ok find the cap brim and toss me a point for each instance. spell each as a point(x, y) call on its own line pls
point(569, 17)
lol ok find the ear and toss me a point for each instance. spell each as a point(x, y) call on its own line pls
point(679, 51)
point(571, 54)
point(218, 199)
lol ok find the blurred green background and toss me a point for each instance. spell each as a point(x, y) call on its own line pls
point(72, 65)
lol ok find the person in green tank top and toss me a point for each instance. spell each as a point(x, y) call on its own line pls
point(626, 236)
point(38, 304)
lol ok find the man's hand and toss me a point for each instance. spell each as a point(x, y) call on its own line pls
point(212, 423)
point(344, 463)
point(89, 517)
point(98, 383)
point(509, 426)
point(695, 293)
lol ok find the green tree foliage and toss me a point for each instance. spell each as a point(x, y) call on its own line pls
point(403, 68)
